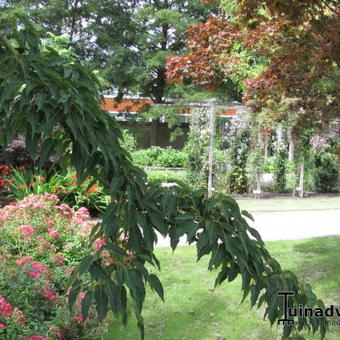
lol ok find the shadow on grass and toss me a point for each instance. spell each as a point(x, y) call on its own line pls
point(321, 264)
point(192, 311)
point(220, 314)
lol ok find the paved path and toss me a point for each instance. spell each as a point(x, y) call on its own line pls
point(290, 225)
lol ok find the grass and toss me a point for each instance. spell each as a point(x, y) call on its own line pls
point(289, 204)
point(193, 311)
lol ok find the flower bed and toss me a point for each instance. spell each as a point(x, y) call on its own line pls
point(41, 242)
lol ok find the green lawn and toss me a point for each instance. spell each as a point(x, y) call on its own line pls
point(290, 204)
point(193, 311)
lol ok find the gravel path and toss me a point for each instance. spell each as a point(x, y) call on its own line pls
point(290, 225)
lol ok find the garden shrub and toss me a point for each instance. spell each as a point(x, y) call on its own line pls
point(268, 166)
point(41, 242)
point(147, 157)
point(325, 172)
point(162, 157)
point(16, 154)
point(129, 141)
point(159, 177)
point(173, 158)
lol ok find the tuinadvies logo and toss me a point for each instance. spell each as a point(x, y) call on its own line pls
point(301, 311)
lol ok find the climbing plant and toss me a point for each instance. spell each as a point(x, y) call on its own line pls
point(280, 154)
point(198, 144)
point(56, 103)
point(238, 142)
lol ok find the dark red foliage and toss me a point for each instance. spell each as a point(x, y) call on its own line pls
point(300, 41)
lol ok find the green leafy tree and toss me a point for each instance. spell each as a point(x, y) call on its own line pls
point(45, 97)
point(128, 41)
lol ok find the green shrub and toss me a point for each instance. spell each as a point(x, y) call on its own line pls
point(269, 165)
point(160, 176)
point(142, 158)
point(157, 156)
point(129, 141)
point(173, 158)
point(326, 171)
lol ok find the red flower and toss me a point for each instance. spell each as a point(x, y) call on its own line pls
point(5, 307)
point(50, 295)
point(53, 232)
point(23, 260)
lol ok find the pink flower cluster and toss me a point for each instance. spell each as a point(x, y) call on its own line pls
point(24, 260)
point(53, 232)
point(81, 215)
point(19, 316)
point(5, 307)
point(65, 209)
point(50, 295)
point(27, 230)
point(38, 269)
point(48, 229)
point(98, 244)
point(32, 202)
point(35, 270)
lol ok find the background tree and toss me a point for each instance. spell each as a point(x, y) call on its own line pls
point(128, 41)
point(296, 43)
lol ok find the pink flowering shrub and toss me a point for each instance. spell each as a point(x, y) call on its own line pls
point(41, 242)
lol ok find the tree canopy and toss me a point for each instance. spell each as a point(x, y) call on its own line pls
point(127, 41)
point(278, 50)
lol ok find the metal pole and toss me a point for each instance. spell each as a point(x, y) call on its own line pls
point(302, 175)
point(211, 146)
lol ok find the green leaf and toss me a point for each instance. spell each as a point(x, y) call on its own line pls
point(287, 330)
point(122, 303)
point(115, 249)
point(255, 233)
point(86, 304)
point(111, 290)
point(156, 285)
point(222, 275)
point(255, 291)
point(247, 214)
point(97, 272)
point(101, 301)
point(185, 217)
point(272, 309)
point(74, 291)
point(46, 150)
point(85, 264)
point(157, 221)
point(233, 272)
